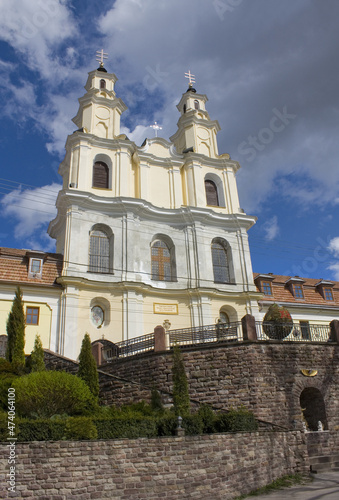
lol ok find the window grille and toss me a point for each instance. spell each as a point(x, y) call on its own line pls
point(99, 252)
point(161, 261)
point(211, 194)
point(100, 175)
point(220, 264)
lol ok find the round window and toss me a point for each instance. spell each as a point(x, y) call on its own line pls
point(97, 316)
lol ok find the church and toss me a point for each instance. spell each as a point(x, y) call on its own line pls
point(145, 235)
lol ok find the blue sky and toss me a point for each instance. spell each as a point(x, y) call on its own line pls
point(269, 68)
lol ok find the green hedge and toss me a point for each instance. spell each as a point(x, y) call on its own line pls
point(128, 423)
point(240, 420)
point(125, 427)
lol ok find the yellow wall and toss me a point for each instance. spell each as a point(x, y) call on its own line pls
point(43, 328)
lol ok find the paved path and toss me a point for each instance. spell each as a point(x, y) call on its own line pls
point(324, 487)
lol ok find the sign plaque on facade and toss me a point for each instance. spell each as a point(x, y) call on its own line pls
point(165, 308)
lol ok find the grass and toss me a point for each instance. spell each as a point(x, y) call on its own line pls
point(278, 484)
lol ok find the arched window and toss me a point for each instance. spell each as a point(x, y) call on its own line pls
point(100, 175)
point(211, 194)
point(196, 104)
point(223, 318)
point(161, 261)
point(220, 263)
point(102, 84)
point(99, 252)
point(184, 108)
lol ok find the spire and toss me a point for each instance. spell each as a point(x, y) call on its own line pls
point(101, 55)
point(191, 80)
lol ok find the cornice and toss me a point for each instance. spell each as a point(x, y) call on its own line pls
point(144, 209)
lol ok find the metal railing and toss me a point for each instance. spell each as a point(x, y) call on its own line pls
point(220, 332)
point(126, 348)
point(293, 332)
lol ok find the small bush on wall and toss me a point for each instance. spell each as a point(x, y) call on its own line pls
point(277, 323)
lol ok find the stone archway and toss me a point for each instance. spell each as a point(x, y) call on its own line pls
point(312, 402)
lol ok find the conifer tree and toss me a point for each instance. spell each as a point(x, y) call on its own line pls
point(16, 332)
point(88, 367)
point(181, 399)
point(37, 356)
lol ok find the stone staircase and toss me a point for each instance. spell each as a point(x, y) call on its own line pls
point(324, 463)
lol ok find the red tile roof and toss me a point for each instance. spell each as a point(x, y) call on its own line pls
point(14, 267)
point(281, 291)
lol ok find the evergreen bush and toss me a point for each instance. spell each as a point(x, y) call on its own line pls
point(37, 361)
point(87, 366)
point(80, 428)
point(277, 323)
point(48, 393)
point(208, 418)
point(126, 427)
point(156, 402)
point(15, 352)
point(40, 429)
point(236, 420)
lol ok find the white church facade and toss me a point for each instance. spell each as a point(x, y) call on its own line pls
point(149, 233)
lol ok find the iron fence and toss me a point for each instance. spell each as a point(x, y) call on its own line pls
point(126, 348)
point(220, 332)
point(295, 332)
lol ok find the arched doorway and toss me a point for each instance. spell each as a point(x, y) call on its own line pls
point(313, 408)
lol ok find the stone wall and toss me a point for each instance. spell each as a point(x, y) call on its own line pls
point(212, 466)
point(265, 377)
point(322, 443)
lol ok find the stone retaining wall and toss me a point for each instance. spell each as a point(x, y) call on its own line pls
point(213, 467)
point(265, 377)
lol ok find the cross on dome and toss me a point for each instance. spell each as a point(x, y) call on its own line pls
point(156, 127)
point(191, 78)
point(101, 55)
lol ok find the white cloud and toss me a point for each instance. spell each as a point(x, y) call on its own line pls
point(31, 210)
point(34, 28)
point(334, 246)
point(271, 228)
point(335, 268)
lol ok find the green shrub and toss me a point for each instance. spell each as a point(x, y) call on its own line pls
point(40, 429)
point(168, 424)
point(125, 427)
point(6, 381)
point(6, 366)
point(156, 402)
point(81, 428)
point(87, 366)
point(15, 327)
point(44, 394)
point(277, 322)
point(37, 361)
point(208, 418)
point(236, 421)
point(193, 424)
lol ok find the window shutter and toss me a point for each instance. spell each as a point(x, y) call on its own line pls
point(100, 175)
point(211, 194)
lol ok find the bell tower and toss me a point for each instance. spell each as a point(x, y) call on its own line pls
point(196, 131)
point(100, 110)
